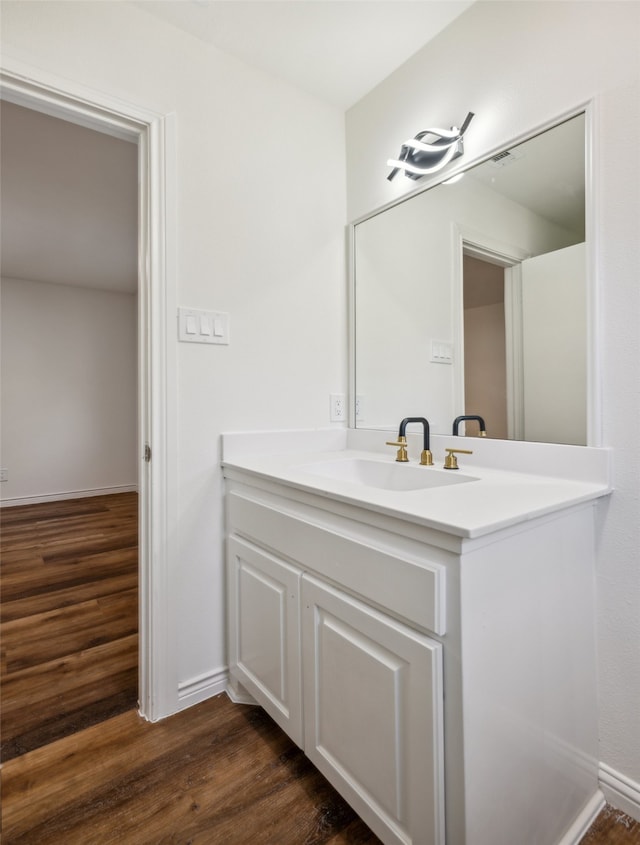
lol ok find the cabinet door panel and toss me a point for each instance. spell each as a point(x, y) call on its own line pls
point(373, 714)
point(264, 646)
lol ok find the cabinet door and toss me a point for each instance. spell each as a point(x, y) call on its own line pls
point(373, 714)
point(264, 632)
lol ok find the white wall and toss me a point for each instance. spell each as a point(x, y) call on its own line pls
point(554, 319)
point(519, 66)
point(69, 390)
point(260, 234)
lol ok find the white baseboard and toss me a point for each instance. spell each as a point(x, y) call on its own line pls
point(620, 791)
point(71, 494)
point(584, 821)
point(238, 694)
point(202, 687)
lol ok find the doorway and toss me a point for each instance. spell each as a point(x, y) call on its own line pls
point(69, 427)
point(156, 364)
point(497, 271)
point(484, 337)
point(70, 285)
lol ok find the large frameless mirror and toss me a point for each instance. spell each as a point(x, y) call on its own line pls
point(471, 298)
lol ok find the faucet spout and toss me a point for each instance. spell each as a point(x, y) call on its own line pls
point(426, 458)
point(478, 419)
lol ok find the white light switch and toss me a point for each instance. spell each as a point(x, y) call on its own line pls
point(197, 326)
point(441, 352)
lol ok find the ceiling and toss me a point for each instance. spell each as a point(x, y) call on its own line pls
point(337, 50)
point(69, 203)
point(546, 174)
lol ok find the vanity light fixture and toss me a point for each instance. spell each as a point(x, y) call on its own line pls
point(418, 158)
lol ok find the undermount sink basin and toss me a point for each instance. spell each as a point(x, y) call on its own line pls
point(386, 476)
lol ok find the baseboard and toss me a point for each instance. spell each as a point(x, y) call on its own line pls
point(238, 694)
point(202, 687)
point(584, 821)
point(71, 494)
point(620, 791)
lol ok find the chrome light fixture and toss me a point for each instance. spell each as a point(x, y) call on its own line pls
point(418, 158)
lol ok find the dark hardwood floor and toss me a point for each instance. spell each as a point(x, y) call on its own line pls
point(68, 617)
point(81, 766)
point(612, 827)
point(217, 773)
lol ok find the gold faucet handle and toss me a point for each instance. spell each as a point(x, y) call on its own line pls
point(401, 443)
point(450, 461)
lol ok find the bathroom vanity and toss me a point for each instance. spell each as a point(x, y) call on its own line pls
point(426, 636)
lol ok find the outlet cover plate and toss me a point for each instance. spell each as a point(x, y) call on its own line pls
point(338, 408)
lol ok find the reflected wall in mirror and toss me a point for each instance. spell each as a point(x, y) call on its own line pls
point(471, 298)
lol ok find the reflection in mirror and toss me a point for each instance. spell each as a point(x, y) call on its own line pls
point(470, 298)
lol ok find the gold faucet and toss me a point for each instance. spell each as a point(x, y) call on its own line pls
point(401, 443)
point(450, 461)
point(426, 458)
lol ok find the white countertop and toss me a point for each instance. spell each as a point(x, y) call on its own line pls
point(491, 499)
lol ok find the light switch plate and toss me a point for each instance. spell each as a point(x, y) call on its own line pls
point(198, 326)
point(441, 352)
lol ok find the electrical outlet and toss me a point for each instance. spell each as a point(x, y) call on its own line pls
point(359, 408)
point(4, 474)
point(338, 410)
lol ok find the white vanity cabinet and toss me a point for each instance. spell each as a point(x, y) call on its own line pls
point(360, 691)
point(444, 684)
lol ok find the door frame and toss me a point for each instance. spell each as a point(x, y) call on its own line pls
point(157, 536)
point(508, 256)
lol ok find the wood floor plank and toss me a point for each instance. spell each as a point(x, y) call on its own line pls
point(50, 600)
point(19, 560)
point(39, 580)
point(54, 724)
point(81, 548)
point(60, 531)
point(62, 507)
point(40, 638)
point(69, 680)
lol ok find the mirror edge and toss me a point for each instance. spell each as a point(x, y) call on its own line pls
point(594, 311)
point(351, 324)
